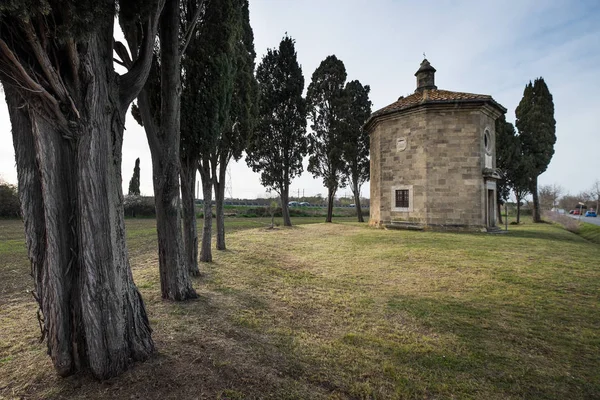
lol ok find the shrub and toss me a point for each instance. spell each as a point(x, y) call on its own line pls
point(9, 201)
point(138, 206)
point(570, 224)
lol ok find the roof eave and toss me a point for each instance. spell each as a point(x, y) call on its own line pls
point(490, 100)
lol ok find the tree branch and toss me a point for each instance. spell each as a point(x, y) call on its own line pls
point(133, 81)
point(44, 62)
point(191, 28)
point(30, 84)
point(122, 52)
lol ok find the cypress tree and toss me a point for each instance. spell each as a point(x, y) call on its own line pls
point(134, 183)
point(325, 104)
point(279, 142)
point(537, 134)
point(505, 149)
point(356, 110)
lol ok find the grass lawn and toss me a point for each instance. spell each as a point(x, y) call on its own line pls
point(343, 311)
point(590, 232)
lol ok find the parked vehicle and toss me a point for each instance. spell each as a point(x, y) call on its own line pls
point(590, 214)
point(293, 204)
point(576, 212)
point(572, 212)
point(304, 204)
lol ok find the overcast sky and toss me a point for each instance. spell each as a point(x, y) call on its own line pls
point(487, 47)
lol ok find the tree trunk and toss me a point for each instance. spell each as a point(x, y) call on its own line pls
point(72, 203)
point(537, 217)
point(356, 193)
point(518, 208)
point(207, 186)
point(330, 198)
point(500, 212)
point(219, 199)
point(285, 208)
point(163, 141)
point(190, 233)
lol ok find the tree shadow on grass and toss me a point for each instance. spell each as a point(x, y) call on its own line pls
point(518, 351)
point(553, 235)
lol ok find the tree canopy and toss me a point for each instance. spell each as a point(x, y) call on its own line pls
point(355, 110)
point(537, 133)
point(325, 103)
point(279, 144)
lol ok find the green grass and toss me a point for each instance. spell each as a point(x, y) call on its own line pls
point(343, 311)
point(590, 232)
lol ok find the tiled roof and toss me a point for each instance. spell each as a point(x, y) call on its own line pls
point(432, 97)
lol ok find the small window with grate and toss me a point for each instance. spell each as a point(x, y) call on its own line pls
point(402, 199)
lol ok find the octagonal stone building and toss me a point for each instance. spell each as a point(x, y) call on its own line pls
point(433, 159)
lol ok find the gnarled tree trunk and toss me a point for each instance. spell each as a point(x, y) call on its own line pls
point(190, 233)
point(71, 195)
point(207, 187)
point(67, 108)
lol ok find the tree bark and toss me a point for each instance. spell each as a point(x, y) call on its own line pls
point(163, 140)
point(518, 208)
point(537, 217)
point(356, 193)
point(500, 212)
point(219, 184)
point(190, 232)
point(285, 208)
point(72, 203)
point(207, 187)
point(330, 198)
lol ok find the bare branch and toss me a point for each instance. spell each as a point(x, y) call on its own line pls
point(133, 81)
point(73, 62)
point(30, 84)
point(192, 27)
point(121, 51)
point(50, 73)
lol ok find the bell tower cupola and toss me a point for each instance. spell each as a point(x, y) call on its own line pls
point(425, 77)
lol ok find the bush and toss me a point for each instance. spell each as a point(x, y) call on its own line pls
point(138, 206)
point(9, 201)
point(570, 224)
point(264, 212)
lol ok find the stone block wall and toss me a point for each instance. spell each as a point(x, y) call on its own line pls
point(442, 163)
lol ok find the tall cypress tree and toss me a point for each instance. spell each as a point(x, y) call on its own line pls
point(134, 183)
point(325, 103)
point(279, 142)
point(356, 109)
point(233, 139)
point(537, 134)
point(506, 141)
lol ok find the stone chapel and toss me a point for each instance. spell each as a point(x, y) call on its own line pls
point(433, 159)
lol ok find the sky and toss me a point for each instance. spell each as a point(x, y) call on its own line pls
point(486, 47)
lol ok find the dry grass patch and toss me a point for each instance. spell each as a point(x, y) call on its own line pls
point(344, 311)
